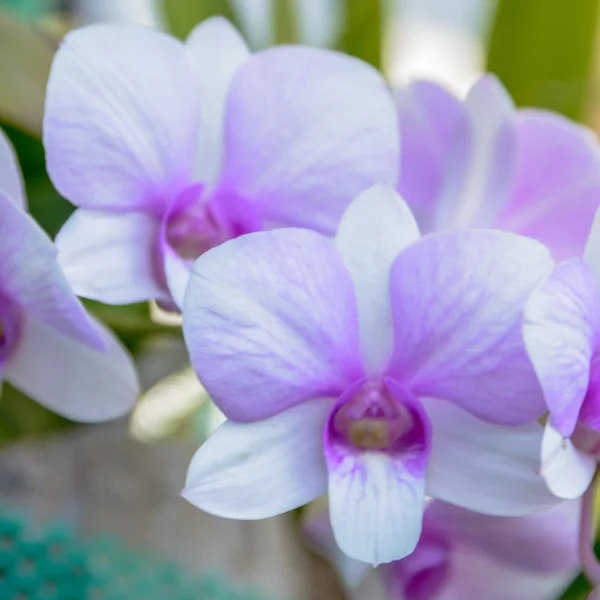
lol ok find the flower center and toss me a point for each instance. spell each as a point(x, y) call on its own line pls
point(373, 419)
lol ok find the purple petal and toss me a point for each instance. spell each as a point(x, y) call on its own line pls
point(557, 189)
point(11, 180)
point(71, 379)
point(270, 321)
point(562, 331)
point(216, 50)
point(591, 253)
point(122, 118)
point(457, 303)
point(433, 134)
point(307, 130)
point(483, 467)
point(31, 278)
point(567, 471)
point(377, 497)
point(258, 470)
point(482, 163)
point(543, 542)
point(374, 229)
point(111, 257)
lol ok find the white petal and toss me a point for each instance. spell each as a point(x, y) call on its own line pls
point(216, 50)
point(374, 229)
point(261, 469)
point(111, 257)
point(591, 254)
point(70, 378)
point(567, 471)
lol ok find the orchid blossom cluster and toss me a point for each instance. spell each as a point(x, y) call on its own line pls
point(393, 297)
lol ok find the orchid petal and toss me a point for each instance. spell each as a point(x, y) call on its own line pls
point(562, 331)
point(434, 136)
point(216, 50)
point(307, 130)
point(258, 470)
point(270, 321)
point(31, 277)
point(591, 253)
point(73, 380)
point(374, 229)
point(122, 115)
point(463, 296)
point(567, 471)
point(111, 257)
point(483, 467)
point(11, 180)
point(557, 188)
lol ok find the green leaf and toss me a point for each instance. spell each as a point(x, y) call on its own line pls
point(285, 15)
point(543, 52)
point(183, 15)
point(25, 56)
point(361, 35)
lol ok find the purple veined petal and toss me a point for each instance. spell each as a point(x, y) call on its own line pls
point(32, 279)
point(591, 253)
point(377, 496)
point(10, 327)
point(491, 469)
point(11, 180)
point(567, 471)
point(307, 130)
point(270, 321)
point(433, 133)
point(258, 470)
point(542, 542)
point(475, 574)
point(561, 330)
point(71, 379)
point(490, 143)
point(374, 229)
point(216, 50)
point(111, 257)
point(457, 302)
point(122, 117)
point(557, 188)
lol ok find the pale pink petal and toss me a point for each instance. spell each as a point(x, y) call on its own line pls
point(11, 180)
point(112, 257)
point(562, 332)
point(557, 189)
point(457, 303)
point(71, 379)
point(215, 50)
point(258, 470)
point(307, 130)
point(31, 277)
point(567, 471)
point(122, 118)
point(374, 229)
point(483, 467)
point(270, 321)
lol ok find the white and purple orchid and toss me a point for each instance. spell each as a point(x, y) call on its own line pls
point(171, 148)
point(379, 367)
point(482, 163)
point(49, 347)
point(462, 555)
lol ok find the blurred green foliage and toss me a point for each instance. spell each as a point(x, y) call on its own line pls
point(285, 25)
point(362, 33)
point(183, 15)
point(543, 52)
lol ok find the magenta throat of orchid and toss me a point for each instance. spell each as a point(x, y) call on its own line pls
point(372, 419)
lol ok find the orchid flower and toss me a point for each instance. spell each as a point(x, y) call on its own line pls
point(172, 148)
point(49, 347)
point(462, 555)
point(379, 367)
point(482, 163)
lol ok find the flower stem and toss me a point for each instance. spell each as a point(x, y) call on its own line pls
point(587, 534)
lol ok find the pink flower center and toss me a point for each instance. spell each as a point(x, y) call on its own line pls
point(373, 419)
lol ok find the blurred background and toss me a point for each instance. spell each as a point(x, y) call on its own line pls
point(123, 478)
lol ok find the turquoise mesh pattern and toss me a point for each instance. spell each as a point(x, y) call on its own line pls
point(55, 565)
